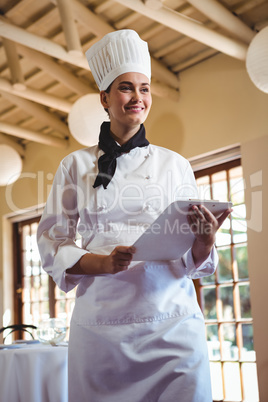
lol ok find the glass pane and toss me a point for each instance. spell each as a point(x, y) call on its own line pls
point(71, 294)
point(209, 302)
point(208, 279)
point(25, 237)
point(59, 294)
point(61, 309)
point(219, 186)
point(223, 236)
point(44, 311)
point(239, 224)
point(247, 352)
point(225, 265)
point(26, 289)
point(250, 382)
point(213, 342)
point(216, 381)
point(232, 382)
point(203, 186)
point(236, 185)
point(229, 346)
point(241, 257)
point(44, 287)
point(245, 305)
point(26, 312)
point(35, 313)
point(226, 303)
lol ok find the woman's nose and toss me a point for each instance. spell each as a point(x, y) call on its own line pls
point(136, 97)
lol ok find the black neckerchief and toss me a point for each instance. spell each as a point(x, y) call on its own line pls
point(107, 162)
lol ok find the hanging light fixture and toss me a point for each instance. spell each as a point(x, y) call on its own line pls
point(257, 60)
point(10, 165)
point(85, 118)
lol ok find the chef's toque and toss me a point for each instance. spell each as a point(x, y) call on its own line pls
point(117, 53)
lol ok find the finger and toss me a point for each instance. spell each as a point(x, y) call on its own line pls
point(198, 213)
point(207, 214)
point(223, 216)
point(124, 257)
point(123, 263)
point(193, 223)
point(125, 249)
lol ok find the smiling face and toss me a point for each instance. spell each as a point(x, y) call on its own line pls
point(128, 102)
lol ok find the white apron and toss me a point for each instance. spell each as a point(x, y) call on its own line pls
point(138, 335)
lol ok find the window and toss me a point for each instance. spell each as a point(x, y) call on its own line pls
point(37, 296)
point(225, 296)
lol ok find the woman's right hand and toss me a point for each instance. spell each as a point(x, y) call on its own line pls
point(118, 260)
point(94, 264)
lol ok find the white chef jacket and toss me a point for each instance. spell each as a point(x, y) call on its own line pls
point(137, 335)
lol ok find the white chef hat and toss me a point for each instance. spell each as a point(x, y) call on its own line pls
point(117, 53)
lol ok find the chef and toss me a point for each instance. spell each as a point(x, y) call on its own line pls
point(137, 333)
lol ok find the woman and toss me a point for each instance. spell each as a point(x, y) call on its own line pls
point(137, 332)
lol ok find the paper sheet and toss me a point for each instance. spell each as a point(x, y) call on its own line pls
point(170, 236)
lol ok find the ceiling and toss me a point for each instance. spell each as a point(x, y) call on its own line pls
point(43, 69)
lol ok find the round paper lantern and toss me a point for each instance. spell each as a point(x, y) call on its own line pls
point(85, 118)
point(10, 165)
point(257, 60)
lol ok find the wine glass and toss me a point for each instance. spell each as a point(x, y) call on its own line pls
point(51, 331)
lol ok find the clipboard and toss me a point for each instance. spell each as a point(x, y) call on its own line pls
point(170, 236)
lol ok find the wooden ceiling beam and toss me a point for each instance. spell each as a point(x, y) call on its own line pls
point(14, 63)
point(38, 112)
point(205, 54)
point(123, 23)
point(248, 6)
point(44, 45)
point(56, 71)
point(224, 18)
point(37, 96)
point(191, 28)
point(93, 22)
point(103, 6)
point(31, 135)
point(69, 27)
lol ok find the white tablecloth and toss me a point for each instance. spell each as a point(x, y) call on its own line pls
point(34, 373)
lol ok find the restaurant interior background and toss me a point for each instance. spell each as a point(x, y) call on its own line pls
point(206, 106)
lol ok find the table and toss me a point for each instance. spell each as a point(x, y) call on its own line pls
point(34, 373)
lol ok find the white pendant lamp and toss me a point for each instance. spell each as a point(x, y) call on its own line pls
point(257, 60)
point(85, 118)
point(10, 165)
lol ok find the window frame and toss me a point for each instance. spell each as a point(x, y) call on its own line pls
point(220, 321)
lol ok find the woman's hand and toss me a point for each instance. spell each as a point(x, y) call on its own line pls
point(118, 260)
point(204, 226)
point(96, 264)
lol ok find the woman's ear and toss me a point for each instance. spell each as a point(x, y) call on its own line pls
point(104, 99)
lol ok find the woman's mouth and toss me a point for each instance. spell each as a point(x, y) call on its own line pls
point(134, 108)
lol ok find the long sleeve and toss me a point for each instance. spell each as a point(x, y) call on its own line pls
point(207, 268)
point(57, 231)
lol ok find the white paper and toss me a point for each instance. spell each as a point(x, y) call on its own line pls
point(170, 236)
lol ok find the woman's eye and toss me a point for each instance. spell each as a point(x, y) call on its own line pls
point(145, 90)
point(125, 88)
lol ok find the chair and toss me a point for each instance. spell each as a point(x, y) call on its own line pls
point(18, 327)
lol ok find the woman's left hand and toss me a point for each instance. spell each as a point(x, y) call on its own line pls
point(204, 226)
